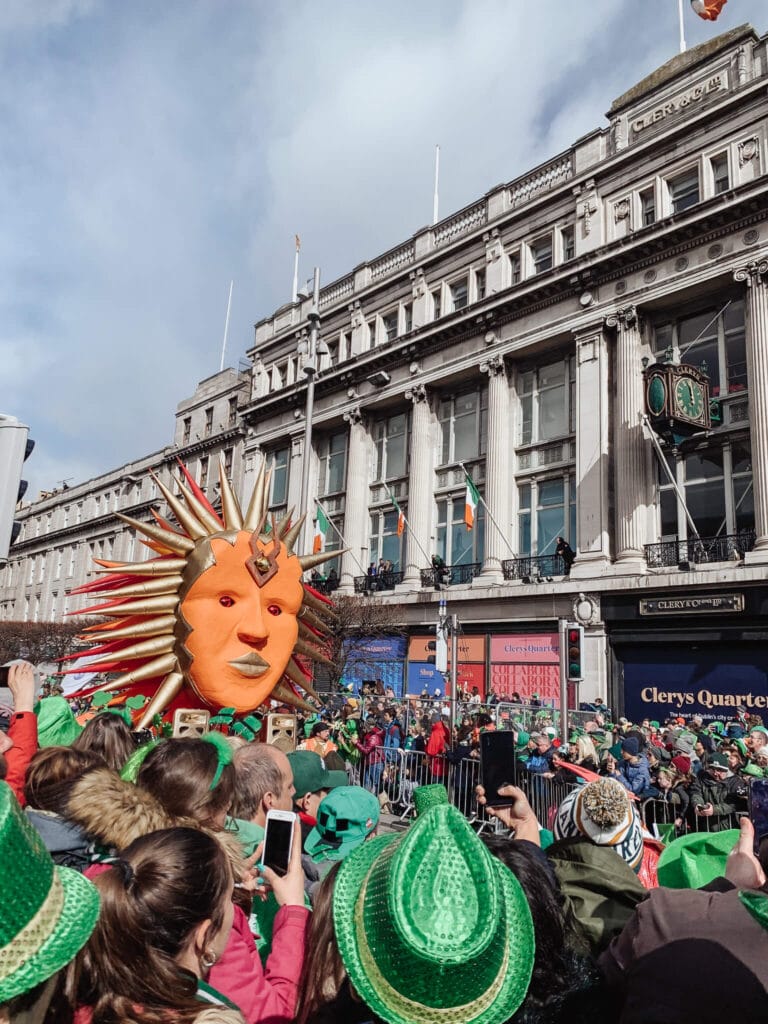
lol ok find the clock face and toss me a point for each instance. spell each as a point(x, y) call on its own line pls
point(657, 394)
point(689, 398)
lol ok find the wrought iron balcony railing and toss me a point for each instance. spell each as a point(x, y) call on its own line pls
point(698, 550)
point(533, 567)
point(450, 575)
point(381, 581)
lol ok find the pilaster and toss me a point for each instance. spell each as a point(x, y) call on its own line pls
point(420, 486)
point(497, 463)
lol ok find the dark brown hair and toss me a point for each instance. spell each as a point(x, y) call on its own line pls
point(164, 885)
point(52, 774)
point(107, 734)
point(323, 973)
point(179, 773)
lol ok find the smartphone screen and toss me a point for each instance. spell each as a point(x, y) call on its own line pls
point(4, 669)
point(277, 844)
point(758, 809)
point(498, 765)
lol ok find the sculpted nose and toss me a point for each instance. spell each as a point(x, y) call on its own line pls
point(253, 628)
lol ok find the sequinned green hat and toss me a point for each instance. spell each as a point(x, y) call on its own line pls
point(47, 913)
point(433, 929)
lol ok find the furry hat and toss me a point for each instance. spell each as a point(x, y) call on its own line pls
point(601, 811)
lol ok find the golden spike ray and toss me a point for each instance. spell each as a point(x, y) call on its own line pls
point(161, 585)
point(149, 606)
point(295, 674)
point(156, 645)
point(290, 536)
point(285, 694)
point(312, 651)
point(160, 666)
point(162, 697)
point(310, 561)
point(162, 625)
point(209, 521)
point(230, 506)
point(185, 516)
point(308, 618)
point(284, 524)
point(167, 567)
point(257, 508)
point(170, 541)
point(322, 608)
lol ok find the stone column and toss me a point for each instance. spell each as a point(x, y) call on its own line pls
point(356, 502)
point(497, 464)
point(593, 424)
point(754, 276)
point(629, 446)
point(420, 487)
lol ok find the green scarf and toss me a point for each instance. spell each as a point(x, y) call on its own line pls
point(756, 904)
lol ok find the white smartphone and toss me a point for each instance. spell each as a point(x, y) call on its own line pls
point(278, 841)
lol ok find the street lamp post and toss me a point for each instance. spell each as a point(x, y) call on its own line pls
point(310, 369)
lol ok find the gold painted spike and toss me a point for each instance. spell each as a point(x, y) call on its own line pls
point(230, 506)
point(185, 517)
point(160, 666)
point(257, 509)
point(149, 606)
point(284, 524)
point(312, 651)
point(285, 694)
point(157, 645)
point(169, 541)
point(308, 616)
point(161, 585)
point(162, 697)
point(159, 626)
point(310, 561)
point(169, 567)
point(209, 521)
point(290, 535)
point(295, 674)
point(325, 611)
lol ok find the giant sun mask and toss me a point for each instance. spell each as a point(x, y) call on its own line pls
point(217, 618)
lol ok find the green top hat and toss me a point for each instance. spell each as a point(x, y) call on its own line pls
point(345, 818)
point(45, 921)
point(696, 859)
point(310, 774)
point(433, 929)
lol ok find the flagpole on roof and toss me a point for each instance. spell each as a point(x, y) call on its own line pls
point(410, 531)
point(341, 537)
point(226, 325)
point(682, 25)
point(295, 292)
point(436, 198)
point(489, 513)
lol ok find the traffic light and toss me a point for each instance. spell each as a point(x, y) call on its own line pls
point(574, 636)
point(15, 447)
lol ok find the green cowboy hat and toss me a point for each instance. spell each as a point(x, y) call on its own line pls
point(45, 921)
point(696, 859)
point(430, 926)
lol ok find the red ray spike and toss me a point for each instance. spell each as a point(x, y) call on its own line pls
point(162, 521)
point(106, 583)
point(101, 607)
point(318, 595)
point(198, 493)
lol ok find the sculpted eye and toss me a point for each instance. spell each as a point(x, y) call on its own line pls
point(226, 601)
point(274, 609)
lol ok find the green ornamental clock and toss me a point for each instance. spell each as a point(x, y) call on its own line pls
point(677, 399)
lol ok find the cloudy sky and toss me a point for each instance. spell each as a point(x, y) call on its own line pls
point(152, 151)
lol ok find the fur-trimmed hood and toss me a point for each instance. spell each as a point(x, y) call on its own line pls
point(116, 813)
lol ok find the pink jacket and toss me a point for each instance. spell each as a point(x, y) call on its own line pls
point(264, 994)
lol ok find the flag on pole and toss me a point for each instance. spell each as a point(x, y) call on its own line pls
point(321, 528)
point(400, 515)
point(298, 243)
point(709, 10)
point(470, 504)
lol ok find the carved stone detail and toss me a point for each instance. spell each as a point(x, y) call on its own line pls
point(748, 150)
point(753, 273)
point(416, 394)
point(587, 207)
point(353, 415)
point(621, 209)
point(494, 366)
point(625, 317)
point(586, 609)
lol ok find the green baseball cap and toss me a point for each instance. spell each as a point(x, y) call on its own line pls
point(310, 774)
point(430, 926)
point(696, 859)
point(345, 818)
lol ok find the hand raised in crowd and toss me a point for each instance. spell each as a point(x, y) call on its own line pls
point(21, 683)
point(288, 888)
point(517, 815)
point(742, 867)
point(706, 811)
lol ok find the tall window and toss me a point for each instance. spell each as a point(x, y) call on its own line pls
point(464, 426)
point(455, 543)
point(407, 317)
point(389, 322)
point(567, 237)
point(459, 291)
point(547, 401)
point(541, 254)
point(717, 484)
point(720, 178)
point(208, 420)
point(648, 206)
point(279, 460)
point(186, 431)
point(228, 462)
point(333, 463)
point(437, 304)
point(714, 337)
point(514, 268)
point(546, 511)
point(684, 190)
point(203, 481)
point(232, 417)
point(391, 437)
point(383, 541)
point(479, 285)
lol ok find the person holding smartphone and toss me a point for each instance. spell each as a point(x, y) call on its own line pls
point(18, 745)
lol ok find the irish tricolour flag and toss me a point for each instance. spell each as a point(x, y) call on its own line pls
point(321, 529)
point(470, 504)
point(709, 10)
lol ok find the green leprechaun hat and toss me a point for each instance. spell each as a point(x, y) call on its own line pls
point(433, 929)
point(47, 913)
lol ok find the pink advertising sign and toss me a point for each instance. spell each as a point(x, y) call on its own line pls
point(526, 649)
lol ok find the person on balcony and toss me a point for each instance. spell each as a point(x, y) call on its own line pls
point(567, 554)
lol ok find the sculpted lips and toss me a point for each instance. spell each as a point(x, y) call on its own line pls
point(251, 664)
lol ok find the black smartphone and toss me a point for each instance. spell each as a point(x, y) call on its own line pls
point(4, 669)
point(278, 841)
point(498, 766)
point(758, 809)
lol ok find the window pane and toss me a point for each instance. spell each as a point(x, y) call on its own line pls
point(668, 513)
point(684, 191)
point(704, 465)
point(459, 293)
point(741, 456)
point(551, 525)
point(744, 503)
point(524, 496)
point(706, 503)
point(526, 414)
point(735, 347)
point(396, 446)
point(465, 427)
point(551, 375)
point(461, 545)
point(697, 350)
point(552, 419)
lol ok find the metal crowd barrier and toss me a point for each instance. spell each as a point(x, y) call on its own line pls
point(654, 811)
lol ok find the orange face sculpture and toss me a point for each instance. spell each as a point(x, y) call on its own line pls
point(242, 622)
point(218, 617)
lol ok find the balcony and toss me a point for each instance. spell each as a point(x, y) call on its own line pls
point(700, 550)
point(532, 568)
point(450, 575)
point(375, 584)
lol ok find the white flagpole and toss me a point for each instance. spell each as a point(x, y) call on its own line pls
point(489, 513)
point(410, 531)
point(295, 292)
point(341, 537)
point(435, 200)
point(226, 326)
point(682, 26)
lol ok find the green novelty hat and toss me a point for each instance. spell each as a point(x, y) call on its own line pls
point(45, 921)
point(696, 859)
point(432, 928)
point(56, 725)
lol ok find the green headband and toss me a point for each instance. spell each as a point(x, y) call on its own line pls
point(224, 754)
